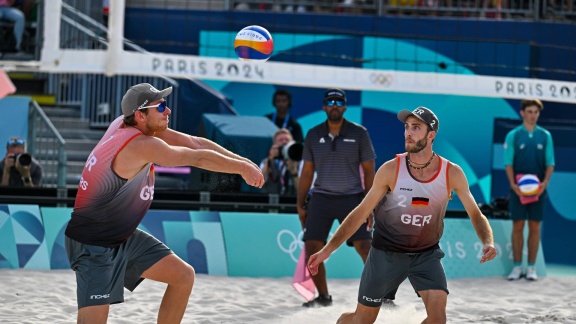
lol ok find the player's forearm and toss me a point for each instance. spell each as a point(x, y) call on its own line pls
point(210, 145)
point(483, 230)
point(214, 161)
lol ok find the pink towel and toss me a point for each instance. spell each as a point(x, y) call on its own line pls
point(6, 86)
point(302, 280)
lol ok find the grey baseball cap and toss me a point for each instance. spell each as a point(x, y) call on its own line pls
point(141, 95)
point(424, 114)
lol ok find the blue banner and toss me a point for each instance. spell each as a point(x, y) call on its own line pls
point(237, 244)
point(22, 243)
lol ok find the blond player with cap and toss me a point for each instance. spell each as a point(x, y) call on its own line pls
point(105, 248)
point(410, 194)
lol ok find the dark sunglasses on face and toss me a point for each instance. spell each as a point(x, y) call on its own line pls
point(17, 141)
point(332, 103)
point(161, 107)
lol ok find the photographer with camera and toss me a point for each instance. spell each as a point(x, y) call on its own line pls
point(18, 168)
point(281, 167)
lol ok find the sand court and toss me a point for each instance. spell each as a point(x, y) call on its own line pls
point(49, 296)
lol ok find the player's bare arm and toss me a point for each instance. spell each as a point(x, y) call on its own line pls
point(145, 149)
point(384, 177)
point(177, 138)
point(459, 184)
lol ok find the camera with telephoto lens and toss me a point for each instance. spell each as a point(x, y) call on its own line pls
point(291, 151)
point(24, 159)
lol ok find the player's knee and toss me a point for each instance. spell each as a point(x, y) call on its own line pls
point(186, 276)
point(345, 318)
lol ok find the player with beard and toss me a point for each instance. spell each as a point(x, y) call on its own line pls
point(410, 194)
point(337, 150)
point(105, 248)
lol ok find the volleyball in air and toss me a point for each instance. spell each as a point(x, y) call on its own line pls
point(529, 184)
point(253, 43)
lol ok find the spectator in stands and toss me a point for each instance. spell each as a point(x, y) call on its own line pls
point(280, 173)
point(16, 16)
point(18, 168)
point(105, 248)
point(406, 244)
point(26, 6)
point(282, 101)
point(335, 149)
point(528, 149)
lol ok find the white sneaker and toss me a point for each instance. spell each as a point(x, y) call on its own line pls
point(516, 273)
point(531, 274)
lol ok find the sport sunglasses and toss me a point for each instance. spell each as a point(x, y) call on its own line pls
point(332, 103)
point(161, 107)
point(15, 141)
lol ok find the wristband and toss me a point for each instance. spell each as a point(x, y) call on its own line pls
point(27, 180)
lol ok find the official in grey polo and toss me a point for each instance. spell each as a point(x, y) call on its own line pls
point(341, 154)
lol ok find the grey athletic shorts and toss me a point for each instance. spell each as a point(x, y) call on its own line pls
point(323, 209)
point(384, 271)
point(102, 273)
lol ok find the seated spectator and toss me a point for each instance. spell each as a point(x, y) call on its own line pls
point(18, 168)
point(26, 6)
point(280, 174)
point(14, 15)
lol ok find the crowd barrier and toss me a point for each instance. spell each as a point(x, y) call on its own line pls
point(236, 243)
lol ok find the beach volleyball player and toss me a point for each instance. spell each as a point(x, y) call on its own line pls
point(410, 194)
point(106, 249)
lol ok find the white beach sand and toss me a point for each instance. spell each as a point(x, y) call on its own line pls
point(31, 296)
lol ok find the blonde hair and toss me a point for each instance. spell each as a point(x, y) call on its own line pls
point(282, 131)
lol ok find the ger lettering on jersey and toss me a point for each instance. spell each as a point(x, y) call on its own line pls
point(101, 190)
point(410, 218)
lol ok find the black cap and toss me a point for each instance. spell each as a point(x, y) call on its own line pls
point(424, 114)
point(335, 94)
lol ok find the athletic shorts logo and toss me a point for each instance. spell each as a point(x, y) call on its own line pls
point(100, 296)
point(372, 300)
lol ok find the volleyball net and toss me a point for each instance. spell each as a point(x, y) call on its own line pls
point(214, 59)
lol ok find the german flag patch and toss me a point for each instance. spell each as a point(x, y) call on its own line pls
point(419, 202)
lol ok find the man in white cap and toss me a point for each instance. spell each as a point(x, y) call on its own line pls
point(410, 194)
point(104, 246)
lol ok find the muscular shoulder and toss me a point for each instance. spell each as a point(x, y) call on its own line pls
point(456, 176)
point(388, 170)
point(144, 144)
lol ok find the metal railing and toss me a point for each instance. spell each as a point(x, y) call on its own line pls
point(47, 145)
point(99, 96)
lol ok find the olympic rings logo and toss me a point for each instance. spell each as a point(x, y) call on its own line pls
point(295, 243)
point(290, 243)
point(384, 80)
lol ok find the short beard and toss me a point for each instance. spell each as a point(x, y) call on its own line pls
point(419, 146)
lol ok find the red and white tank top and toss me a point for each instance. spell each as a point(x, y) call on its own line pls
point(410, 218)
point(108, 208)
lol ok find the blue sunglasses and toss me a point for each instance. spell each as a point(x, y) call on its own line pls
point(15, 141)
point(161, 107)
point(332, 103)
